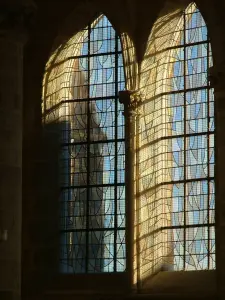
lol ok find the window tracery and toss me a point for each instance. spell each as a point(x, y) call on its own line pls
point(176, 198)
point(81, 85)
point(174, 157)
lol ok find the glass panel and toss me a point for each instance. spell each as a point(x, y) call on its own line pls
point(81, 99)
point(175, 211)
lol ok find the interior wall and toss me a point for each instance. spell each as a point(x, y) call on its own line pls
point(54, 22)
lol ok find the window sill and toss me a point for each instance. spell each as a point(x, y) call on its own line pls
point(110, 283)
point(182, 282)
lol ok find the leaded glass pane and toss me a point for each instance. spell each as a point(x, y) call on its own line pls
point(81, 96)
point(175, 212)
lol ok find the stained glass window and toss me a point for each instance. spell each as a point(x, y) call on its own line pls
point(81, 85)
point(175, 193)
point(176, 197)
point(192, 142)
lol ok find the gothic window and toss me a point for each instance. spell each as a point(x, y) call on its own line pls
point(80, 103)
point(175, 214)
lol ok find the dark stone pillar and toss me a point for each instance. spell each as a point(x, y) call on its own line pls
point(12, 38)
point(11, 162)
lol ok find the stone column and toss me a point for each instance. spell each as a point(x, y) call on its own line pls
point(130, 100)
point(10, 162)
point(12, 38)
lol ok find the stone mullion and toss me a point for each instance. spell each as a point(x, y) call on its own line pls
point(130, 101)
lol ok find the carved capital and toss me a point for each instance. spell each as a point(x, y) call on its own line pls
point(217, 76)
point(131, 101)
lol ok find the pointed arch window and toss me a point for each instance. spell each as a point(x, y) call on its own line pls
point(80, 103)
point(176, 198)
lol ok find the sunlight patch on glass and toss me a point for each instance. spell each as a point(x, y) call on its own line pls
point(176, 151)
point(80, 95)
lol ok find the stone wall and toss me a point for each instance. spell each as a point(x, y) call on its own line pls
point(11, 71)
point(55, 21)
